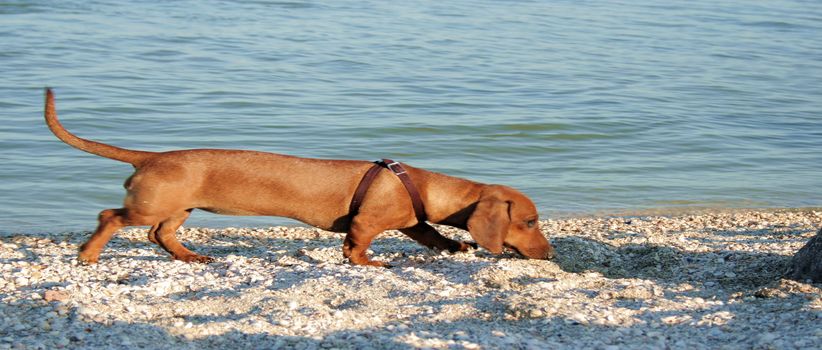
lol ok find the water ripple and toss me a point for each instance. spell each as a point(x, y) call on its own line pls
point(586, 107)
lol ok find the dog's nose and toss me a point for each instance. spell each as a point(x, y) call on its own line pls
point(549, 255)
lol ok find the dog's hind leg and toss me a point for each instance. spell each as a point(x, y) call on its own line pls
point(152, 234)
point(165, 235)
point(111, 220)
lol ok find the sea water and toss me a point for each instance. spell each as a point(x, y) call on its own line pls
point(585, 106)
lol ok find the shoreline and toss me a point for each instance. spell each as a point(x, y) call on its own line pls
point(555, 215)
point(673, 211)
point(698, 280)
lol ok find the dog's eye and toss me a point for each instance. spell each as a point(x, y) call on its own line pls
point(531, 223)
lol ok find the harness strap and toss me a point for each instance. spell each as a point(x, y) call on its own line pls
point(402, 174)
point(416, 199)
point(362, 188)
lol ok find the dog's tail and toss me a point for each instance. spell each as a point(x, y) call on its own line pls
point(124, 155)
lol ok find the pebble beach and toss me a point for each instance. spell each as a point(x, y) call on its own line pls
point(709, 280)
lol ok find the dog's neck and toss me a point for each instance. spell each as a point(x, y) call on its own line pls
point(453, 209)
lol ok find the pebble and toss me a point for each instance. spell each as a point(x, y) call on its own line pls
point(673, 282)
point(536, 313)
point(55, 295)
point(62, 342)
point(767, 338)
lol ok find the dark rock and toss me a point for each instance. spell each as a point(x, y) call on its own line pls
point(807, 263)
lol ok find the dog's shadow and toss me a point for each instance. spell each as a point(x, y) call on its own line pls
point(320, 249)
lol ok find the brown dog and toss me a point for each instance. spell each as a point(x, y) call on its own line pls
point(167, 186)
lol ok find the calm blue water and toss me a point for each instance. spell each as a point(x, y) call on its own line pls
point(587, 106)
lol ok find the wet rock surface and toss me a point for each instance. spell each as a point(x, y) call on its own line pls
point(807, 263)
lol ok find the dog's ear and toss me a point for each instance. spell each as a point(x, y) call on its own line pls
point(489, 223)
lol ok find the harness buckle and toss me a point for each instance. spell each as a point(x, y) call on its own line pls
point(398, 169)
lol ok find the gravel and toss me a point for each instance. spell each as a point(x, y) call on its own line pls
point(706, 281)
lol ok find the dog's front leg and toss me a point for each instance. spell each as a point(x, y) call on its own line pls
point(358, 240)
point(428, 236)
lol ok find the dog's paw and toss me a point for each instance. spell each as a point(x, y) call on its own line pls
point(372, 263)
point(195, 258)
point(87, 258)
point(462, 246)
point(377, 264)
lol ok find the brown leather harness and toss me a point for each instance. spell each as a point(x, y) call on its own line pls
point(397, 169)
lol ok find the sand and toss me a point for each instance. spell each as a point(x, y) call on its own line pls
point(708, 280)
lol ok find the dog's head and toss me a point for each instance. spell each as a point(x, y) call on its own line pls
point(504, 217)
